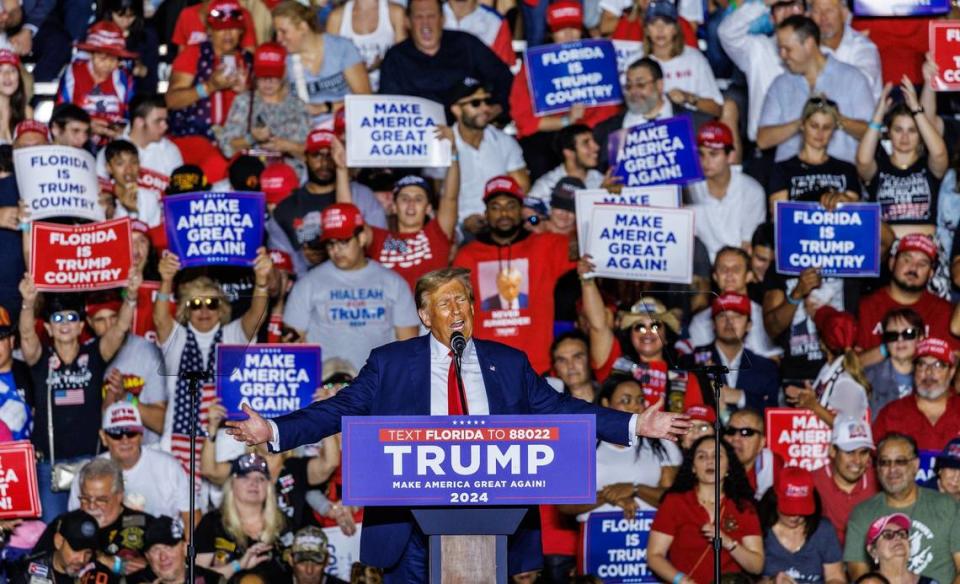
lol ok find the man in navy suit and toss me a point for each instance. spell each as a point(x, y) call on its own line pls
point(753, 381)
point(411, 378)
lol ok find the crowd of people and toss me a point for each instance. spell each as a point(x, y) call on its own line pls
point(790, 100)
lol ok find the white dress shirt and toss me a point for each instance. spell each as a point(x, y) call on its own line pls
point(473, 386)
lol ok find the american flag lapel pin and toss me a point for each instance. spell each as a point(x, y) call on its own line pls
point(493, 368)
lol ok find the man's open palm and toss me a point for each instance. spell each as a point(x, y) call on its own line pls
point(655, 423)
point(254, 430)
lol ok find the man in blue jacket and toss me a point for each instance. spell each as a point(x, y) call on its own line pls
point(412, 378)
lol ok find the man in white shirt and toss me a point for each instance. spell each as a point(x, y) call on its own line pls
point(483, 22)
point(580, 154)
point(847, 45)
point(484, 150)
point(728, 204)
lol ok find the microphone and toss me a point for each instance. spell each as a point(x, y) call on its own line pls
point(458, 343)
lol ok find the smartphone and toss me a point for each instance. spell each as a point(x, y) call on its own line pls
point(230, 64)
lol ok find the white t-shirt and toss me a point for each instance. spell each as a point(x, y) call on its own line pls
point(140, 357)
point(149, 207)
point(498, 154)
point(690, 71)
point(732, 219)
point(543, 189)
point(157, 485)
point(617, 464)
point(157, 161)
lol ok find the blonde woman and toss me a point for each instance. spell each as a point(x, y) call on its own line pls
point(244, 533)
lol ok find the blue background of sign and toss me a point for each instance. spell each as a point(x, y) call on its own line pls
point(231, 357)
point(176, 206)
point(539, 75)
point(789, 234)
point(900, 7)
point(368, 471)
point(596, 543)
point(688, 159)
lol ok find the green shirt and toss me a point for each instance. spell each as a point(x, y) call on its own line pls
point(934, 534)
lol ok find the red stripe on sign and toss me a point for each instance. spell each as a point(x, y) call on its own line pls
point(469, 434)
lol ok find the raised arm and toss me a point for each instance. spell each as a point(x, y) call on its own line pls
point(937, 158)
point(113, 338)
point(162, 319)
point(256, 315)
point(449, 198)
point(29, 341)
point(601, 336)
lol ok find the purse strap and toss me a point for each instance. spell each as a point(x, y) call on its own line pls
point(53, 461)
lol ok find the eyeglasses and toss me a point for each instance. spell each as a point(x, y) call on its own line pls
point(653, 327)
point(94, 501)
point(894, 534)
point(207, 302)
point(822, 102)
point(935, 365)
point(65, 316)
point(641, 85)
point(477, 102)
point(223, 15)
point(894, 462)
point(743, 432)
point(121, 434)
point(906, 334)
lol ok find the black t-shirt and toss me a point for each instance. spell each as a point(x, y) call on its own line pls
point(807, 182)
point(77, 392)
point(204, 576)
point(292, 486)
point(802, 356)
point(905, 195)
point(38, 569)
point(212, 538)
point(299, 215)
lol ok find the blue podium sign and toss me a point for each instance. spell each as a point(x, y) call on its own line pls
point(469, 460)
point(615, 548)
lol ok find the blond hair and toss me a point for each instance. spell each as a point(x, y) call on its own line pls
point(201, 286)
point(297, 12)
point(431, 282)
point(273, 520)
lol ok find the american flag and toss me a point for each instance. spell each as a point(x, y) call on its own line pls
point(68, 397)
point(180, 437)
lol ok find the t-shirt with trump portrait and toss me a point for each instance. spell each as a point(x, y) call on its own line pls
point(513, 290)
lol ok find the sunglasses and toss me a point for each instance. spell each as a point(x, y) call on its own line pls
point(822, 102)
point(65, 316)
point(894, 534)
point(121, 434)
point(654, 327)
point(198, 303)
point(743, 432)
point(477, 102)
point(906, 334)
point(223, 15)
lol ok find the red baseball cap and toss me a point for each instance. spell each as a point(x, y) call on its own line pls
point(340, 221)
point(715, 135)
point(701, 413)
point(8, 57)
point(502, 185)
point(837, 330)
point(936, 348)
point(277, 181)
point(564, 14)
point(224, 14)
point(795, 491)
point(730, 301)
point(103, 302)
point(106, 37)
point(27, 126)
point(139, 226)
point(319, 139)
point(281, 260)
point(876, 528)
point(918, 242)
point(270, 61)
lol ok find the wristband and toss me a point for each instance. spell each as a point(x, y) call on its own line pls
point(875, 126)
point(883, 350)
point(202, 92)
point(164, 297)
point(679, 578)
point(235, 564)
point(24, 226)
point(565, 120)
point(117, 565)
point(454, 157)
point(793, 301)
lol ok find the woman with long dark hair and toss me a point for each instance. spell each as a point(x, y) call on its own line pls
point(13, 95)
point(140, 39)
point(797, 539)
point(680, 548)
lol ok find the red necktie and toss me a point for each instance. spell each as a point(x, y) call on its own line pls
point(454, 406)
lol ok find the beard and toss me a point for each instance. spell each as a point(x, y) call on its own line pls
point(506, 233)
point(312, 177)
point(477, 122)
point(932, 393)
point(906, 287)
point(644, 106)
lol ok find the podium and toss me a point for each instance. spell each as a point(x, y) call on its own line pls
point(469, 480)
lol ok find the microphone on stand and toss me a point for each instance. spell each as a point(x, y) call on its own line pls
point(458, 343)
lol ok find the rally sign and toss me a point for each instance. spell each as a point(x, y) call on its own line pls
point(843, 242)
point(469, 460)
point(900, 7)
point(343, 551)
point(394, 130)
point(563, 75)
point(273, 379)
point(928, 464)
point(71, 258)
point(615, 548)
point(627, 53)
point(658, 152)
point(207, 228)
point(19, 495)
point(652, 196)
point(642, 243)
point(945, 49)
point(798, 436)
point(58, 181)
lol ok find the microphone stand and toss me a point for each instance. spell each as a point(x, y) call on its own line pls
point(195, 377)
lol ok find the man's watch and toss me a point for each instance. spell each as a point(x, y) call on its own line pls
point(919, 110)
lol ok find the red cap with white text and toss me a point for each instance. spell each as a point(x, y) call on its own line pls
point(340, 221)
point(795, 491)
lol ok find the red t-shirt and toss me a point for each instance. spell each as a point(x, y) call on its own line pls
point(904, 416)
point(220, 101)
point(537, 261)
point(411, 254)
point(632, 30)
point(191, 29)
point(654, 381)
point(902, 43)
point(838, 504)
point(559, 533)
point(521, 108)
point(682, 517)
point(934, 310)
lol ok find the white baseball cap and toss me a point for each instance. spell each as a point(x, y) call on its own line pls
point(120, 416)
point(851, 434)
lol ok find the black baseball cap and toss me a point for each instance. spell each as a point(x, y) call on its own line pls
point(564, 193)
point(467, 87)
point(80, 529)
point(244, 173)
point(163, 530)
point(249, 463)
point(187, 179)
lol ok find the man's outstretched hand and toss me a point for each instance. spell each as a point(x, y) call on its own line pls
point(254, 430)
point(655, 423)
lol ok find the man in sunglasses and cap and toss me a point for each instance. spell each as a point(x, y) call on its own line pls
point(309, 556)
point(70, 560)
point(166, 553)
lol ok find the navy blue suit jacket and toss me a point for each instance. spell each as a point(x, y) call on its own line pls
point(396, 382)
point(758, 377)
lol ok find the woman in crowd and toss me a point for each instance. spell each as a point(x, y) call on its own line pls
point(140, 39)
point(892, 378)
point(324, 68)
point(189, 341)
point(268, 116)
point(813, 175)
point(244, 533)
point(628, 26)
point(680, 547)
point(888, 543)
point(13, 95)
point(798, 541)
point(841, 387)
point(374, 26)
point(67, 382)
point(629, 478)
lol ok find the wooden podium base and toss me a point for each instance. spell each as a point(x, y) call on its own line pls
point(476, 559)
